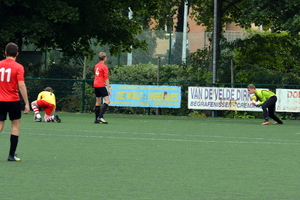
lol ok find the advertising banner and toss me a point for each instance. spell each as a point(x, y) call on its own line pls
point(215, 98)
point(146, 96)
point(288, 100)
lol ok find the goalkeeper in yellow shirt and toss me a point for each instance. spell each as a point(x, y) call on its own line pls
point(46, 99)
point(267, 100)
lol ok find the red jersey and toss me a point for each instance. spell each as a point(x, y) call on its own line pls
point(11, 73)
point(101, 74)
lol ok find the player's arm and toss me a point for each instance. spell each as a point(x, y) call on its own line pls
point(54, 99)
point(39, 97)
point(261, 102)
point(23, 91)
point(106, 81)
point(265, 95)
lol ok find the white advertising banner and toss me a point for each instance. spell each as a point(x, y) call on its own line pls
point(216, 98)
point(288, 100)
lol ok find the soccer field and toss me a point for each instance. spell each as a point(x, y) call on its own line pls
point(151, 157)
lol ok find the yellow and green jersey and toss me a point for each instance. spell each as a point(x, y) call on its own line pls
point(263, 95)
point(48, 97)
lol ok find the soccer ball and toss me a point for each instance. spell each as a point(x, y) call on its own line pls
point(253, 97)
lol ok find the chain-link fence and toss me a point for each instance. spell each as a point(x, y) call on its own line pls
point(160, 44)
point(167, 46)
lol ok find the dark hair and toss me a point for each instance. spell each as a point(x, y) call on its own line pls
point(48, 89)
point(11, 49)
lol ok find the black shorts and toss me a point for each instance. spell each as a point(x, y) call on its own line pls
point(12, 108)
point(101, 92)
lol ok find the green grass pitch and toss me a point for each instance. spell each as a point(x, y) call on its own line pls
point(151, 157)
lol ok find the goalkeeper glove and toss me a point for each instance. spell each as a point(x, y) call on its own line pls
point(255, 103)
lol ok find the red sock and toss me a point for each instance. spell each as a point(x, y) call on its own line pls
point(36, 111)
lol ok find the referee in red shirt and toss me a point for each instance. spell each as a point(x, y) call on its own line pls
point(11, 82)
point(102, 88)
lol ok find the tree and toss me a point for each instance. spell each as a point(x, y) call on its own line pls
point(227, 11)
point(266, 57)
point(71, 24)
point(278, 15)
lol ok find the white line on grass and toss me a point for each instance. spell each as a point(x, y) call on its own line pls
point(160, 139)
point(168, 134)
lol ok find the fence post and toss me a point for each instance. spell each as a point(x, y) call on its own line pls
point(83, 95)
point(170, 47)
point(150, 83)
point(158, 66)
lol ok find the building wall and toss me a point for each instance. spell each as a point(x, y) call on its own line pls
point(198, 37)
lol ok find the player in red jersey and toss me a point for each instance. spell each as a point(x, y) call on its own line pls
point(102, 88)
point(11, 82)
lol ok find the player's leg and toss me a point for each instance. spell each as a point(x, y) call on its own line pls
point(47, 118)
point(99, 111)
point(14, 139)
point(269, 104)
point(35, 108)
point(97, 107)
point(54, 116)
point(50, 114)
point(53, 112)
point(272, 114)
point(265, 107)
point(266, 115)
point(15, 117)
point(1, 125)
point(106, 102)
point(3, 113)
point(98, 102)
point(104, 106)
point(103, 109)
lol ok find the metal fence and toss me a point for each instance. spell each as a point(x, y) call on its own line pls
point(77, 95)
point(161, 44)
point(167, 46)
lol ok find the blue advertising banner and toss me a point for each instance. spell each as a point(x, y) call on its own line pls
point(146, 96)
